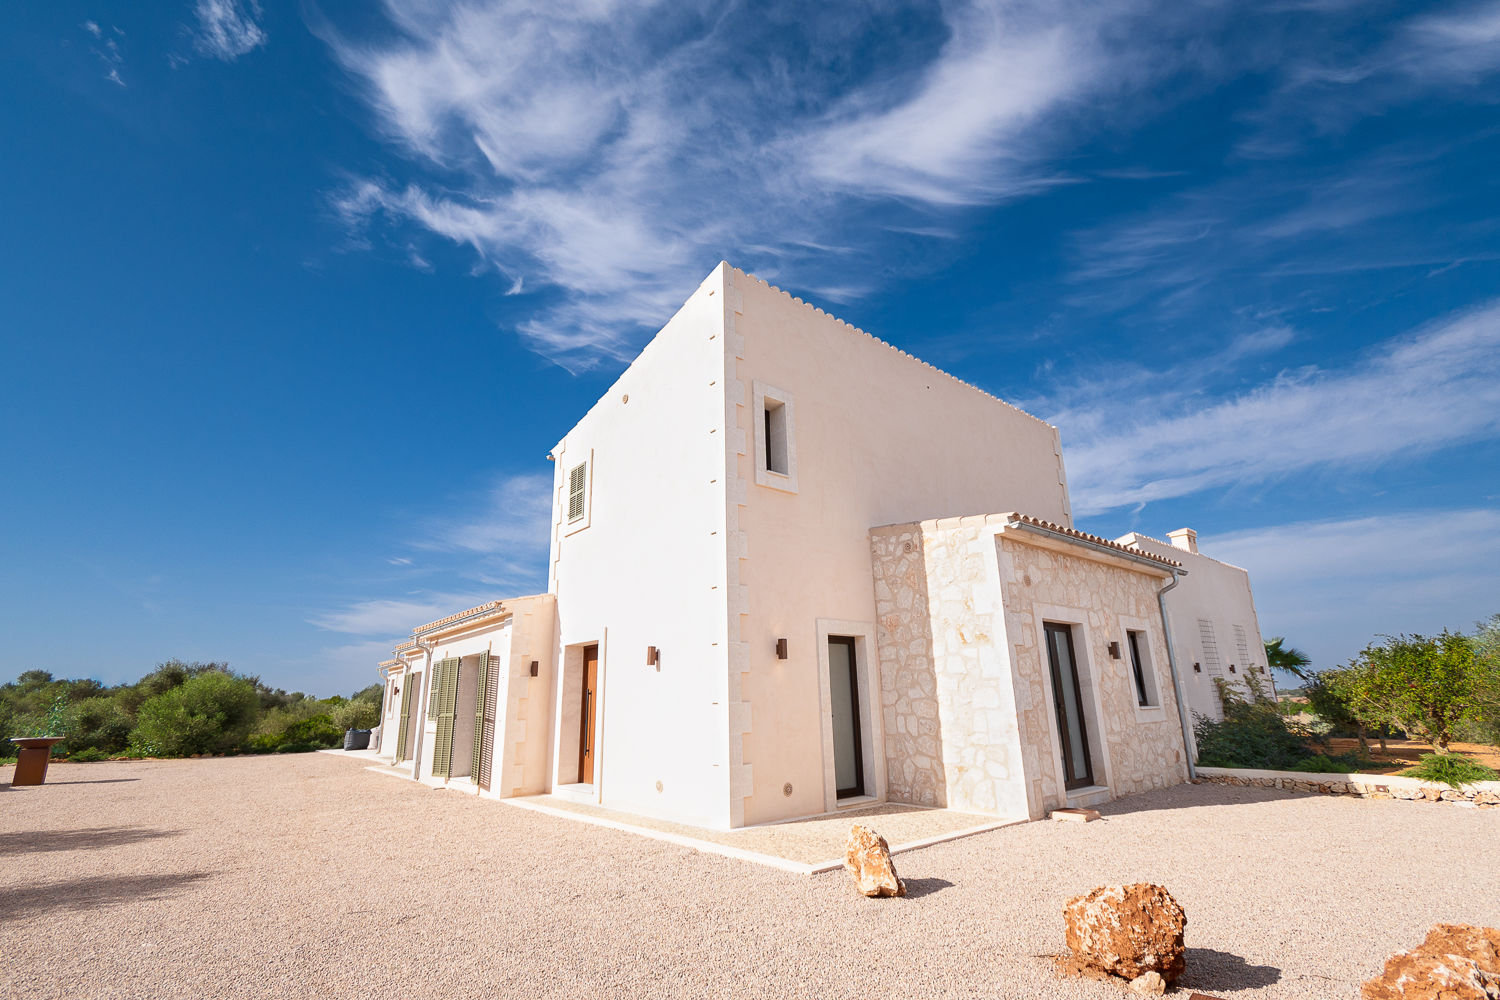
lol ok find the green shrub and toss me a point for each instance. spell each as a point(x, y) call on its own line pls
point(87, 755)
point(1252, 734)
point(357, 714)
point(95, 724)
point(1450, 769)
point(296, 748)
point(318, 731)
point(208, 713)
point(1322, 764)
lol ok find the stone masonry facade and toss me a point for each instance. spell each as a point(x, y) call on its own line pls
point(965, 696)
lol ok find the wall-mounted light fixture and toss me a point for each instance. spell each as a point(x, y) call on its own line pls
point(780, 649)
point(652, 659)
point(1197, 668)
point(1231, 668)
point(534, 667)
point(1114, 651)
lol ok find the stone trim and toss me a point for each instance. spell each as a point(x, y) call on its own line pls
point(1482, 794)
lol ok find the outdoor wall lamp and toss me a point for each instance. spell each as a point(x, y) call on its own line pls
point(1197, 668)
point(652, 659)
point(534, 666)
point(1114, 651)
point(1231, 668)
point(780, 649)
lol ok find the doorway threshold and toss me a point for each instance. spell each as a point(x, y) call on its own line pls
point(579, 792)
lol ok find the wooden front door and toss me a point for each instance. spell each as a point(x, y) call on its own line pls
point(1067, 697)
point(587, 743)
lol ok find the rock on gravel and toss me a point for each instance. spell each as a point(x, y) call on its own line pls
point(868, 858)
point(1127, 931)
point(1455, 962)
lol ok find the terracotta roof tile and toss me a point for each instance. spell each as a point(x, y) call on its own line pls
point(1058, 529)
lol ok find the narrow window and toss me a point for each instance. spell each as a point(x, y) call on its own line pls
point(578, 481)
point(776, 438)
point(1144, 689)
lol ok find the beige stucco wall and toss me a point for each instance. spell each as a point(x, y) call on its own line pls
point(1218, 593)
point(879, 437)
point(966, 691)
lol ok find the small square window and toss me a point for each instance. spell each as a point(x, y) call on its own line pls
point(775, 438)
point(775, 450)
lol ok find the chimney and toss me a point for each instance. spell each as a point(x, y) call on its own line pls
point(1184, 538)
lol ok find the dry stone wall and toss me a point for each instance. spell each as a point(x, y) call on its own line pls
point(1483, 794)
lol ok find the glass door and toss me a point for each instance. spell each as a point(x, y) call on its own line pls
point(1078, 769)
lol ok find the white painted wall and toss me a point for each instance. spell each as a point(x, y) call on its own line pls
point(880, 438)
point(649, 570)
point(1219, 593)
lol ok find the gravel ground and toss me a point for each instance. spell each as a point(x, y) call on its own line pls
point(308, 876)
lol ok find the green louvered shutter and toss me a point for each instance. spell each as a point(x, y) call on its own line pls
point(447, 709)
point(405, 718)
point(479, 733)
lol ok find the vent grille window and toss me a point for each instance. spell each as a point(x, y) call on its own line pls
point(578, 481)
point(1242, 646)
point(1210, 648)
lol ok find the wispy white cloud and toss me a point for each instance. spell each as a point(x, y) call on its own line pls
point(1435, 388)
point(1332, 586)
point(228, 29)
point(617, 151)
point(107, 50)
point(396, 617)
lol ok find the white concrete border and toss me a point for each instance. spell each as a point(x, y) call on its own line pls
point(739, 853)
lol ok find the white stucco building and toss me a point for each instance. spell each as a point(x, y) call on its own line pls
point(778, 586)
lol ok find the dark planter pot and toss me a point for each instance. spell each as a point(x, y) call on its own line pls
point(357, 739)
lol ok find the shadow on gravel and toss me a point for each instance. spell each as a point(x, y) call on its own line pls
point(93, 781)
point(90, 893)
point(1221, 972)
point(39, 841)
point(925, 886)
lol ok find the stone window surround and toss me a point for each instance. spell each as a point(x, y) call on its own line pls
point(760, 392)
point(871, 724)
point(1156, 711)
point(1083, 645)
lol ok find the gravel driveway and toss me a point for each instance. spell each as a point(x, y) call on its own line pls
point(308, 876)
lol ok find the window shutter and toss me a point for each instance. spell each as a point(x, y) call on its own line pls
point(577, 490)
point(479, 733)
point(405, 718)
point(447, 707)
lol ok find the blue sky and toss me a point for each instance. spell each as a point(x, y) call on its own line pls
point(294, 298)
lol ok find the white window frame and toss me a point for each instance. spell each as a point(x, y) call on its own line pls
point(871, 718)
point(564, 493)
point(787, 482)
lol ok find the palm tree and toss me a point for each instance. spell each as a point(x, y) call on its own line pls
point(1283, 657)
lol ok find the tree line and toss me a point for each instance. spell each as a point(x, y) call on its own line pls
point(178, 710)
point(1435, 689)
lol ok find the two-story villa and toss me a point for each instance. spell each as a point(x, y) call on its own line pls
point(778, 586)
